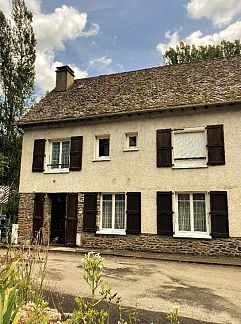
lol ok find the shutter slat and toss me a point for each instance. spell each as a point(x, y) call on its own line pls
point(219, 214)
point(164, 148)
point(215, 138)
point(38, 155)
point(38, 213)
point(71, 218)
point(76, 153)
point(164, 213)
point(133, 213)
point(90, 211)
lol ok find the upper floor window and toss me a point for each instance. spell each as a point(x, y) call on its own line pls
point(102, 151)
point(131, 141)
point(189, 147)
point(60, 155)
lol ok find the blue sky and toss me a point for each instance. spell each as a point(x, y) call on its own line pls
point(107, 36)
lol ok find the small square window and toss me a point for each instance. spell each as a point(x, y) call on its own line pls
point(131, 141)
point(102, 147)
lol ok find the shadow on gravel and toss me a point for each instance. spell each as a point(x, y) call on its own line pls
point(65, 304)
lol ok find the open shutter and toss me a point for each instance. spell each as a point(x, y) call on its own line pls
point(76, 153)
point(216, 153)
point(219, 214)
point(38, 155)
point(38, 214)
point(71, 219)
point(133, 213)
point(163, 148)
point(164, 213)
point(90, 211)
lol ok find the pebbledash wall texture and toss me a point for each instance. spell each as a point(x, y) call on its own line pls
point(142, 242)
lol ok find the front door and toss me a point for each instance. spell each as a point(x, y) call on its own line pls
point(58, 216)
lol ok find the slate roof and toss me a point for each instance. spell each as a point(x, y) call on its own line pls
point(200, 83)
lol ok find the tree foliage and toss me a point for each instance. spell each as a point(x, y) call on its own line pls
point(185, 53)
point(17, 74)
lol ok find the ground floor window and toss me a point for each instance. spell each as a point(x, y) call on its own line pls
point(113, 212)
point(191, 215)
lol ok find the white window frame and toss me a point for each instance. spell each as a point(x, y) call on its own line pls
point(192, 233)
point(127, 147)
point(48, 168)
point(187, 162)
point(111, 230)
point(96, 153)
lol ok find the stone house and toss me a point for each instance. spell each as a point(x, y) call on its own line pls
point(145, 160)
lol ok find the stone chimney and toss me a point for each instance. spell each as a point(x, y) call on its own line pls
point(64, 78)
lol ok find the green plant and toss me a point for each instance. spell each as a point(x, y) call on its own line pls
point(174, 316)
point(87, 311)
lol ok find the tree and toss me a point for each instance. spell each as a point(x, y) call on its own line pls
point(17, 74)
point(185, 53)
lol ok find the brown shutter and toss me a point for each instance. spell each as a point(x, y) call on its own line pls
point(164, 148)
point(71, 219)
point(133, 213)
point(219, 214)
point(76, 153)
point(38, 155)
point(164, 213)
point(38, 213)
point(90, 211)
point(216, 154)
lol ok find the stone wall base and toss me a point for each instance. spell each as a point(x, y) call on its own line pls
point(164, 244)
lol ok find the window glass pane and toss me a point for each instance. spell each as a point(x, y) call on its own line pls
point(199, 212)
point(55, 155)
point(189, 145)
point(107, 211)
point(65, 155)
point(184, 212)
point(104, 146)
point(120, 211)
point(132, 141)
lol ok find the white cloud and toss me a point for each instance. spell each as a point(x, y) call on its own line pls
point(100, 62)
point(220, 12)
point(230, 33)
point(52, 31)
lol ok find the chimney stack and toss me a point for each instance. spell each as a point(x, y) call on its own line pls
point(64, 78)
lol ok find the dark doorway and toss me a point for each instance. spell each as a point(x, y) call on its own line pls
point(58, 216)
point(64, 218)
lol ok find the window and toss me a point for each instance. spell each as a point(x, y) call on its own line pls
point(191, 215)
point(131, 141)
point(102, 148)
point(112, 214)
point(60, 153)
point(190, 148)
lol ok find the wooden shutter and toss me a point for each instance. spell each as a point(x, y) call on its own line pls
point(164, 213)
point(38, 213)
point(133, 213)
point(76, 153)
point(216, 153)
point(71, 219)
point(90, 211)
point(164, 148)
point(219, 214)
point(38, 155)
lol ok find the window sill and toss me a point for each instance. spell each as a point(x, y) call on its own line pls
point(101, 159)
point(189, 167)
point(111, 232)
point(131, 149)
point(193, 235)
point(55, 171)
